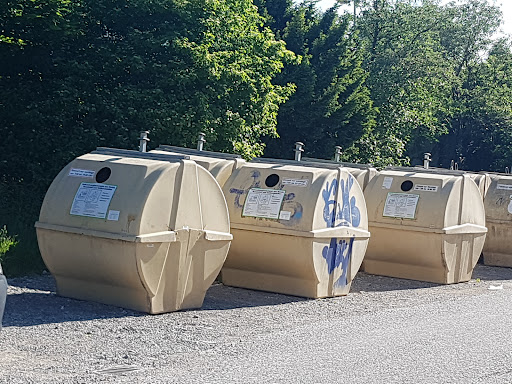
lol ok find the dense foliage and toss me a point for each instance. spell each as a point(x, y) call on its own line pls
point(393, 80)
point(80, 74)
point(331, 105)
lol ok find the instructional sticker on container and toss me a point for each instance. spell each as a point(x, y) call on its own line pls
point(401, 205)
point(296, 182)
point(386, 184)
point(75, 172)
point(428, 188)
point(264, 203)
point(113, 215)
point(285, 215)
point(507, 187)
point(92, 200)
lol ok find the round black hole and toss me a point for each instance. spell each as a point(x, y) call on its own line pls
point(271, 180)
point(103, 174)
point(406, 185)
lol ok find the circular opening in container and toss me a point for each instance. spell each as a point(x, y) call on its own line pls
point(406, 185)
point(103, 174)
point(272, 180)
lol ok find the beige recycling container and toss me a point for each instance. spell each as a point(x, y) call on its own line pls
point(498, 211)
point(297, 229)
point(220, 165)
point(135, 230)
point(362, 172)
point(425, 224)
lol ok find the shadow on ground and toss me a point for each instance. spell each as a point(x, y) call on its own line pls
point(41, 305)
point(36, 308)
point(365, 282)
point(32, 300)
point(485, 272)
point(222, 297)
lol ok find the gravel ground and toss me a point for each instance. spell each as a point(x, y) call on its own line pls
point(385, 331)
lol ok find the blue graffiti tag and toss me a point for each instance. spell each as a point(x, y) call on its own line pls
point(345, 214)
point(239, 192)
point(338, 254)
point(339, 214)
point(330, 204)
point(349, 213)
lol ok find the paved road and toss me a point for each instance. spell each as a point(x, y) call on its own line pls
point(385, 331)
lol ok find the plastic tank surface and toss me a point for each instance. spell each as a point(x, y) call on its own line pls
point(498, 212)
point(426, 225)
point(297, 229)
point(136, 230)
point(362, 172)
point(3, 295)
point(220, 165)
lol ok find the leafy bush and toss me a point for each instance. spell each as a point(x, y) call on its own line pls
point(6, 242)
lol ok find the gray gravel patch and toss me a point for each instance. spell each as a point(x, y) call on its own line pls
point(385, 331)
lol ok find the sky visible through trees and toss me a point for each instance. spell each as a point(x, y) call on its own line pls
point(506, 8)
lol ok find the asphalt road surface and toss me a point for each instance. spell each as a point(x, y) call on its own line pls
point(385, 331)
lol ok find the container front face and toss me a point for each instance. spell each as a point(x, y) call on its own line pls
point(498, 211)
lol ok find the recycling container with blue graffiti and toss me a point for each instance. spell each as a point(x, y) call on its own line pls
point(362, 172)
point(426, 225)
point(144, 231)
point(498, 213)
point(3, 295)
point(298, 228)
point(220, 165)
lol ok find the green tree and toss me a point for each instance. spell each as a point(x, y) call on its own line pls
point(478, 125)
point(331, 105)
point(480, 131)
point(410, 80)
point(76, 75)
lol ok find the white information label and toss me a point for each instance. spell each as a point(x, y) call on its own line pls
point(401, 205)
point(285, 215)
point(113, 215)
point(386, 184)
point(264, 203)
point(428, 188)
point(92, 200)
point(75, 172)
point(507, 187)
point(296, 182)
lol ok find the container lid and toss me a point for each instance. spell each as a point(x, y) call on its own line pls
point(195, 152)
point(306, 162)
point(339, 163)
point(139, 155)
